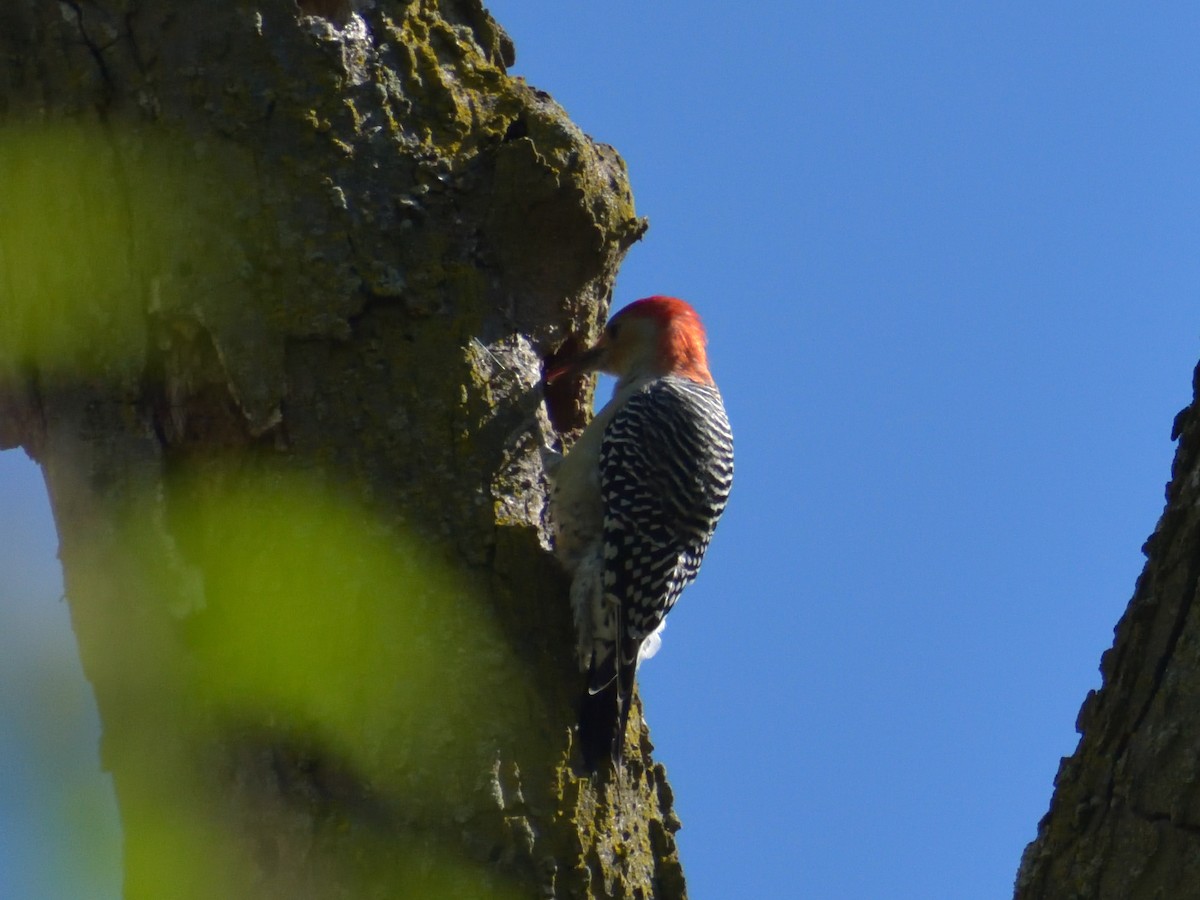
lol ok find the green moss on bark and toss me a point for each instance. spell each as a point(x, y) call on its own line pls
point(340, 250)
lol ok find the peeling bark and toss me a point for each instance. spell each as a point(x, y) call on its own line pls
point(277, 281)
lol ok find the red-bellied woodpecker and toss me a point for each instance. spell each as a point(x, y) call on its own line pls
point(636, 499)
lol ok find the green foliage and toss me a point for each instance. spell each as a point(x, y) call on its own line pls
point(355, 681)
point(66, 220)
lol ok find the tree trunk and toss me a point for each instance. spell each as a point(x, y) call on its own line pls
point(276, 286)
point(1124, 823)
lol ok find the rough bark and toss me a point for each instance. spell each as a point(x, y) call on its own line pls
point(276, 284)
point(1124, 823)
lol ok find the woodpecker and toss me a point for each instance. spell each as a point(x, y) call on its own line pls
point(636, 499)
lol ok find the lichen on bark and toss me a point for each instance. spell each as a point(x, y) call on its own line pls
point(277, 347)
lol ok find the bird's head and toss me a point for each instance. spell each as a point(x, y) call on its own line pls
point(648, 338)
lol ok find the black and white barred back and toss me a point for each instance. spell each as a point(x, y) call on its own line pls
point(666, 469)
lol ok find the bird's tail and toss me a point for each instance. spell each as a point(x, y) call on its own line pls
point(599, 715)
point(604, 713)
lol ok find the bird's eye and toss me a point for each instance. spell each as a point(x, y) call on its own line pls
point(612, 329)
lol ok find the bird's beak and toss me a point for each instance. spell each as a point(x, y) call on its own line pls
point(586, 361)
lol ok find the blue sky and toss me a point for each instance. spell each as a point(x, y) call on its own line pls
point(947, 258)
